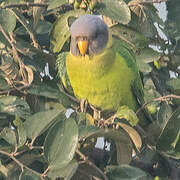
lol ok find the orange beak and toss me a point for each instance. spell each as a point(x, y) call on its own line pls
point(83, 46)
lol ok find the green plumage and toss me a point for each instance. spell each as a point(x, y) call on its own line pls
point(108, 80)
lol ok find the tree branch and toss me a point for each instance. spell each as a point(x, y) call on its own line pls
point(161, 99)
point(28, 4)
point(22, 166)
point(13, 89)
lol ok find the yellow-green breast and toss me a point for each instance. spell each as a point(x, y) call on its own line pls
point(104, 80)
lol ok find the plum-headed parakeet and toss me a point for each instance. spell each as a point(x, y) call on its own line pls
point(100, 70)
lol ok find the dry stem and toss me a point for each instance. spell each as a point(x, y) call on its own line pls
point(161, 99)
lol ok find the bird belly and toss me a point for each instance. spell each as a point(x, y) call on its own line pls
point(107, 91)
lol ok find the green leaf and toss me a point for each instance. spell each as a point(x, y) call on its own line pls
point(43, 27)
point(119, 137)
point(125, 113)
point(61, 64)
point(3, 84)
point(117, 10)
point(60, 144)
point(126, 172)
point(56, 3)
point(124, 152)
point(45, 90)
point(163, 115)
point(67, 172)
point(60, 31)
point(7, 20)
point(135, 137)
point(22, 136)
point(41, 121)
point(62, 73)
point(29, 175)
point(15, 106)
point(143, 67)
point(88, 131)
point(133, 38)
point(174, 84)
point(147, 55)
point(150, 93)
point(169, 138)
point(143, 19)
point(8, 134)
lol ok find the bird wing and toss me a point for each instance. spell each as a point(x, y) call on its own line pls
point(123, 50)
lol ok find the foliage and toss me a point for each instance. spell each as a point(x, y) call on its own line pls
point(38, 139)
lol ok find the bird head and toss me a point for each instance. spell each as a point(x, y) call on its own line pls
point(89, 35)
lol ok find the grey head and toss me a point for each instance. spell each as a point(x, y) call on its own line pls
point(90, 28)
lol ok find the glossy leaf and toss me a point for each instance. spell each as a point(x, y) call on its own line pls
point(117, 10)
point(174, 84)
point(60, 144)
point(147, 55)
point(126, 172)
point(8, 134)
point(124, 152)
point(163, 115)
point(45, 90)
point(7, 20)
point(22, 136)
point(3, 84)
point(67, 172)
point(119, 137)
point(15, 106)
point(29, 175)
point(135, 137)
point(43, 27)
point(133, 38)
point(39, 122)
point(55, 3)
point(170, 136)
point(143, 67)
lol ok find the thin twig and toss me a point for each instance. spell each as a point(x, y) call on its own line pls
point(22, 166)
point(4, 33)
point(161, 99)
point(15, 88)
point(35, 44)
point(15, 53)
point(28, 4)
point(164, 98)
point(44, 174)
point(146, 2)
point(91, 164)
point(12, 45)
point(71, 97)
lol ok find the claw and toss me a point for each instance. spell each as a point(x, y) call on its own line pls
point(83, 105)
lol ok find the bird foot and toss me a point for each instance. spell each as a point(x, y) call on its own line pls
point(102, 123)
point(83, 105)
point(96, 112)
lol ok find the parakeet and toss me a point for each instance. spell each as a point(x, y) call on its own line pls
point(99, 68)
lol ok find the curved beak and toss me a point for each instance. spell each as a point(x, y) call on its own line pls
point(83, 46)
